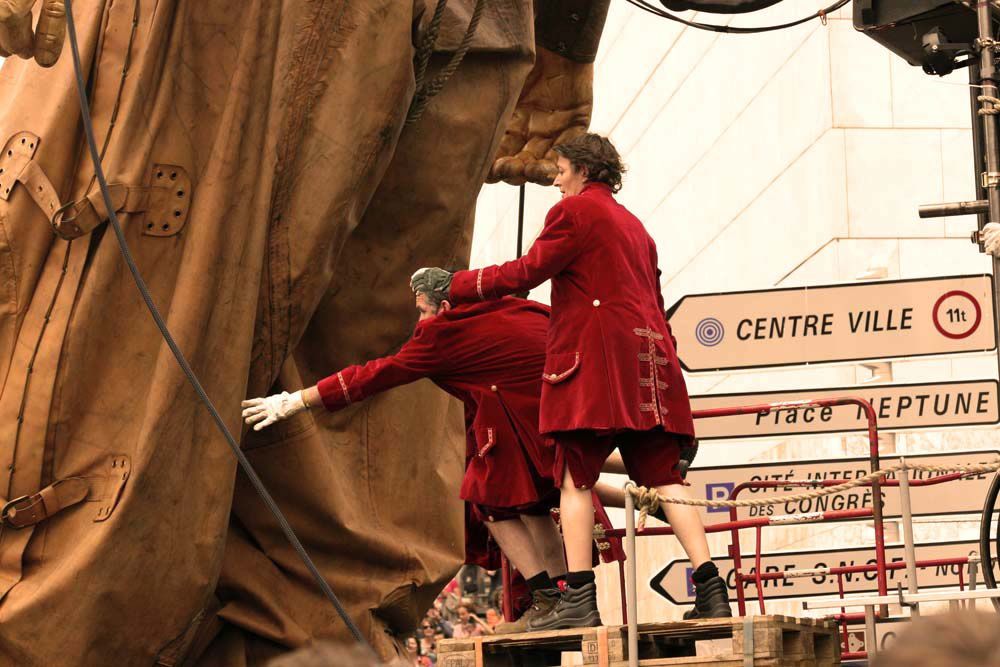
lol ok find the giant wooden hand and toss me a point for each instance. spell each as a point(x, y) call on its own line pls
point(45, 43)
point(554, 107)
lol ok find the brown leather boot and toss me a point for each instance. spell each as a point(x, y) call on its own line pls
point(542, 602)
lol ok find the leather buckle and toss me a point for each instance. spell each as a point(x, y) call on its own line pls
point(11, 509)
point(64, 225)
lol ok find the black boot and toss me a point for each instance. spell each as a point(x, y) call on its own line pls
point(577, 608)
point(711, 600)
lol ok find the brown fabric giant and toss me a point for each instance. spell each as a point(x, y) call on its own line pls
point(308, 209)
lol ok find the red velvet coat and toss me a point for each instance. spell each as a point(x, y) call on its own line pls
point(610, 361)
point(490, 355)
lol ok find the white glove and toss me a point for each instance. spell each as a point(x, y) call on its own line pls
point(991, 238)
point(262, 412)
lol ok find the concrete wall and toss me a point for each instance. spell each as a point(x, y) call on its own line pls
point(784, 159)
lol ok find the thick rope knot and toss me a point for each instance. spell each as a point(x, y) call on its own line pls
point(647, 501)
point(991, 110)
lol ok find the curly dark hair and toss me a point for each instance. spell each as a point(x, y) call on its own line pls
point(598, 156)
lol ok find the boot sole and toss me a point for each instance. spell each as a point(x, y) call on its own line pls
point(715, 613)
point(591, 620)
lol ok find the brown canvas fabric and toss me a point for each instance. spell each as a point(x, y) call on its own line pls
point(309, 205)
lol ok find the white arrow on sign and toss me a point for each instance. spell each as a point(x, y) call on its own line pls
point(898, 407)
point(961, 496)
point(673, 582)
point(830, 323)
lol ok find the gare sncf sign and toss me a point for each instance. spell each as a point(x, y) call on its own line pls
point(831, 323)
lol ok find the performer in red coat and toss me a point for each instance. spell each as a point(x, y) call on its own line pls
point(611, 372)
point(491, 356)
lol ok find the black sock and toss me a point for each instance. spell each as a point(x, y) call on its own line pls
point(704, 572)
point(540, 581)
point(579, 579)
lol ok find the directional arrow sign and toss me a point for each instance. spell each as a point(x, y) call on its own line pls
point(674, 581)
point(956, 497)
point(851, 322)
point(886, 633)
point(897, 406)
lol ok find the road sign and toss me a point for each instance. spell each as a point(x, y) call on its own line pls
point(898, 407)
point(673, 582)
point(886, 632)
point(849, 322)
point(956, 497)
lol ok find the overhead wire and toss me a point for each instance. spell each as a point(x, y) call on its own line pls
point(737, 30)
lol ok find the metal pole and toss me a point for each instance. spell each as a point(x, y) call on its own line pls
point(871, 639)
point(973, 573)
point(908, 548)
point(978, 207)
point(633, 625)
point(520, 221)
point(990, 179)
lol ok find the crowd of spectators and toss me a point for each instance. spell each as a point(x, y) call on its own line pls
point(452, 616)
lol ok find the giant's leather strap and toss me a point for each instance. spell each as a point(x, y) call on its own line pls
point(29, 510)
point(82, 217)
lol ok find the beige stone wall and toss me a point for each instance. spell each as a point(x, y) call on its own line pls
point(784, 159)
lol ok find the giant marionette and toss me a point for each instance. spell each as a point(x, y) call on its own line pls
point(279, 168)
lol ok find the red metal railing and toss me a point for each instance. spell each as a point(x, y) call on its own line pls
point(734, 525)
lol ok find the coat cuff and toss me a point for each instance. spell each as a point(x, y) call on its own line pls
point(467, 287)
point(333, 392)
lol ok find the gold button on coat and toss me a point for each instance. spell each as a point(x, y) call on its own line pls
point(493, 388)
point(597, 302)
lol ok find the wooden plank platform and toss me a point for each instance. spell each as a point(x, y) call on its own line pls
point(757, 641)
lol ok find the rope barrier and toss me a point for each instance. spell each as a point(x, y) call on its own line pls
point(648, 501)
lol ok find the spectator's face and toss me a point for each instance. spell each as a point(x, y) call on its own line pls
point(463, 613)
point(427, 631)
point(411, 644)
point(492, 617)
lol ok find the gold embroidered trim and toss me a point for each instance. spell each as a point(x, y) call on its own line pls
point(647, 333)
point(489, 443)
point(553, 378)
point(343, 385)
point(479, 285)
point(652, 381)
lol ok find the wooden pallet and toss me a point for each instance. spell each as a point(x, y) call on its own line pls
point(757, 641)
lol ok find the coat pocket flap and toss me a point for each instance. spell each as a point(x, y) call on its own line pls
point(560, 367)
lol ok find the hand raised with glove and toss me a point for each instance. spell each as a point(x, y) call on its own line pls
point(45, 43)
point(262, 412)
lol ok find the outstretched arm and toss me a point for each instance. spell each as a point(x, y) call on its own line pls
point(416, 360)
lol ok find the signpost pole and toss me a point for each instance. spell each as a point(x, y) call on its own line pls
point(871, 639)
point(909, 550)
point(630, 578)
point(987, 79)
